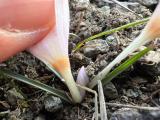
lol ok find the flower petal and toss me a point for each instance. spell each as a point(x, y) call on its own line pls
point(53, 49)
point(82, 79)
point(153, 26)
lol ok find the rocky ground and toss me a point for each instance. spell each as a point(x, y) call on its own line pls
point(138, 86)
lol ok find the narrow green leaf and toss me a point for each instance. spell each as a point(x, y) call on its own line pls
point(124, 66)
point(108, 32)
point(36, 84)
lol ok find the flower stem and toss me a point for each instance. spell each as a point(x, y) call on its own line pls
point(75, 93)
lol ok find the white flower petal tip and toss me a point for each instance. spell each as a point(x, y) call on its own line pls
point(153, 26)
point(53, 49)
point(82, 79)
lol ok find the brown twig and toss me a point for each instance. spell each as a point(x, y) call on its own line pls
point(103, 111)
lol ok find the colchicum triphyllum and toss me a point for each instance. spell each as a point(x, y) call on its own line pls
point(53, 49)
point(42, 27)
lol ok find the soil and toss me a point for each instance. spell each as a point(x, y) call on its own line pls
point(139, 85)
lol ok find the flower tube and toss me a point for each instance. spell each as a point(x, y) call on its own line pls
point(53, 49)
point(149, 33)
point(23, 23)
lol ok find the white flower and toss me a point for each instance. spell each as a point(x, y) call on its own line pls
point(53, 49)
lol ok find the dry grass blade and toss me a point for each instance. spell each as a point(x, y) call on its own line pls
point(125, 7)
point(135, 107)
point(2, 114)
point(103, 111)
point(95, 101)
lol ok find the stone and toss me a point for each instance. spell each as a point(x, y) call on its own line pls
point(90, 70)
point(106, 9)
point(52, 104)
point(148, 3)
point(81, 4)
point(150, 64)
point(101, 3)
point(150, 115)
point(133, 114)
point(79, 57)
point(112, 41)
point(110, 91)
point(13, 96)
point(40, 117)
point(95, 47)
point(126, 114)
point(133, 93)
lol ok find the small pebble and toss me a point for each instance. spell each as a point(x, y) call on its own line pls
point(110, 91)
point(52, 104)
point(95, 47)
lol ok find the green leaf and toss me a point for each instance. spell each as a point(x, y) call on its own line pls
point(37, 84)
point(124, 66)
point(79, 45)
